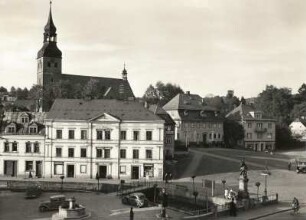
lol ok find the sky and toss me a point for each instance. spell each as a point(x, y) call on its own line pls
point(205, 46)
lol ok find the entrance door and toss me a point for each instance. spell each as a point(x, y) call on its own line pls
point(10, 167)
point(70, 170)
point(102, 171)
point(38, 168)
point(135, 172)
point(204, 138)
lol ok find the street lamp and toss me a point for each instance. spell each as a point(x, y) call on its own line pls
point(223, 182)
point(193, 182)
point(62, 183)
point(257, 184)
point(265, 173)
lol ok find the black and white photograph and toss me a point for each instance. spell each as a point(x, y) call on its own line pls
point(152, 109)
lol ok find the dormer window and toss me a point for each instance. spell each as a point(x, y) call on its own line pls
point(24, 120)
point(33, 129)
point(257, 115)
point(11, 129)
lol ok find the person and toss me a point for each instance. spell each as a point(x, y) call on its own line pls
point(231, 194)
point(170, 176)
point(131, 214)
point(166, 177)
point(289, 165)
point(295, 205)
point(233, 211)
point(226, 193)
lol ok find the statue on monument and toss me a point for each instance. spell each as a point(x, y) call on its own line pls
point(243, 169)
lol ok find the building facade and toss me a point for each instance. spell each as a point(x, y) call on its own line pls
point(109, 138)
point(22, 144)
point(195, 122)
point(259, 131)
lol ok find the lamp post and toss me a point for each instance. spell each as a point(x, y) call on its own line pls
point(193, 182)
point(62, 183)
point(266, 173)
point(257, 184)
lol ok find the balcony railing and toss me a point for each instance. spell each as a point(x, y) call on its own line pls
point(260, 130)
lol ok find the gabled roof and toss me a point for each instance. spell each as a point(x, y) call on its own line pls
point(244, 112)
point(114, 88)
point(187, 102)
point(79, 109)
point(158, 110)
point(300, 120)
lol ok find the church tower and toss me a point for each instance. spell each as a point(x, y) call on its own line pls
point(49, 57)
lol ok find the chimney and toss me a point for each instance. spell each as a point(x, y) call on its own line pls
point(188, 92)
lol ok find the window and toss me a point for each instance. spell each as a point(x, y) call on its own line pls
point(149, 154)
point(83, 152)
point(215, 136)
point(70, 152)
point(258, 115)
point(11, 129)
point(259, 136)
point(269, 135)
point(83, 168)
point(59, 134)
point(122, 153)
point(210, 135)
point(6, 147)
point(15, 148)
point(149, 135)
point(28, 165)
point(106, 153)
point(259, 125)
point(71, 134)
point(83, 134)
point(123, 135)
point(58, 168)
point(249, 135)
point(122, 169)
point(55, 65)
point(219, 135)
point(49, 64)
point(58, 152)
point(99, 135)
point(24, 120)
point(107, 135)
point(36, 147)
point(168, 140)
point(33, 130)
point(269, 125)
point(135, 154)
point(135, 135)
point(28, 147)
point(249, 125)
point(99, 153)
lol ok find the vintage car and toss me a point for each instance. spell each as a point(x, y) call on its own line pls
point(33, 192)
point(135, 199)
point(54, 203)
point(301, 165)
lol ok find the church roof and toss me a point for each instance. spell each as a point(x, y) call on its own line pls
point(79, 109)
point(114, 88)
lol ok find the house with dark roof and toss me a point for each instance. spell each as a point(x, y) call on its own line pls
point(196, 122)
point(49, 70)
point(110, 138)
point(259, 129)
point(22, 136)
point(169, 131)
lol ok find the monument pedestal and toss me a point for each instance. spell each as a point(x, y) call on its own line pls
point(243, 188)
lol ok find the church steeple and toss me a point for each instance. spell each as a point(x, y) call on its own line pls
point(124, 73)
point(50, 29)
point(49, 48)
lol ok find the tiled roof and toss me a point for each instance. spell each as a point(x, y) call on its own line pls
point(79, 109)
point(158, 110)
point(187, 102)
point(49, 49)
point(200, 116)
point(244, 112)
point(114, 88)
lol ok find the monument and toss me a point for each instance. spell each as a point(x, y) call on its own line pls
point(243, 181)
point(74, 211)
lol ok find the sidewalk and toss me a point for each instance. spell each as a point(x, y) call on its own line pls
point(279, 208)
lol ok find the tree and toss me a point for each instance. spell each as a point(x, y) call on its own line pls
point(284, 139)
point(13, 91)
point(233, 132)
point(36, 92)
point(275, 103)
point(3, 90)
point(298, 110)
point(161, 93)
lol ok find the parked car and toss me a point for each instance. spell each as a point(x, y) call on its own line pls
point(54, 203)
point(135, 199)
point(301, 165)
point(33, 192)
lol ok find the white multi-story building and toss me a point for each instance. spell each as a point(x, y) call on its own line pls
point(111, 138)
point(22, 144)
